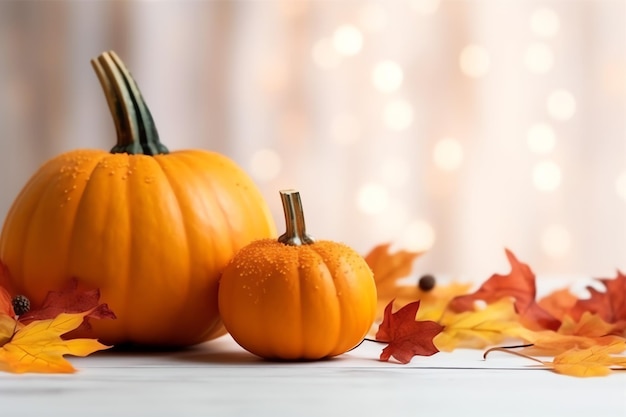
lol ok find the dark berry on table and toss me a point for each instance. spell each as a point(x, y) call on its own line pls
point(21, 305)
point(426, 282)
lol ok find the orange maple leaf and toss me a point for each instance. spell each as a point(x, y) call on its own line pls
point(406, 336)
point(519, 285)
point(38, 346)
point(389, 267)
point(558, 303)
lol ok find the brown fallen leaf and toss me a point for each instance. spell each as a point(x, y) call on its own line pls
point(406, 337)
point(70, 299)
point(38, 346)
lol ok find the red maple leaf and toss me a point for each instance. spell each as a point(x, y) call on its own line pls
point(519, 285)
point(609, 304)
point(406, 337)
point(70, 299)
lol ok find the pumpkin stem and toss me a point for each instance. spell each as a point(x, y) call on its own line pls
point(295, 235)
point(136, 132)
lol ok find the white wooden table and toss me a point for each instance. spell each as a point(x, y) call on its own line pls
point(218, 378)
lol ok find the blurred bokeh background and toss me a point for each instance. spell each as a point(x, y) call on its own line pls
point(456, 127)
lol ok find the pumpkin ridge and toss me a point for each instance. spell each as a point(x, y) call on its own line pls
point(25, 282)
point(326, 258)
point(82, 210)
point(96, 162)
point(31, 185)
point(161, 162)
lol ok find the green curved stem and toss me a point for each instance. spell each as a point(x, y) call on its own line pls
point(136, 131)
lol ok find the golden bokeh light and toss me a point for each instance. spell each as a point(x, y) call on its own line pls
point(541, 138)
point(448, 154)
point(474, 61)
point(546, 176)
point(544, 22)
point(347, 40)
point(372, 198)
point(539, 58)
point(387, 76)
point(398, 114)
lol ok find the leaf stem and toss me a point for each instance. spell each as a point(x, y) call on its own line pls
point(506, 349)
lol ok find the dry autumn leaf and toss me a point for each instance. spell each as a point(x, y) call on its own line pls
point(519, 285)
point(596, 360)
point(590, 330)
point(558, 303)
point(6, 306)
point(609, 304)
point(406, 336)
point(390, 268)
point(494, 324)
point(38, 346)
point(70, 299)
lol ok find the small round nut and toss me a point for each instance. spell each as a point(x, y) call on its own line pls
point(21, 304)
point(426, 282)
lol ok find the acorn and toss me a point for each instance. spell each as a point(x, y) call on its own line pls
point(21, 305)
point(426, 282)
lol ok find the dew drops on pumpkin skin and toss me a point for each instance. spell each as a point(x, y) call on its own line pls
point(279, 256)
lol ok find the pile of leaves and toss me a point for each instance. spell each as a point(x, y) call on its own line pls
point(564, 333)
point(37, 340)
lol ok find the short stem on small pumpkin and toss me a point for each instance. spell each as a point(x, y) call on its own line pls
point(136, 131)
point(295, 234)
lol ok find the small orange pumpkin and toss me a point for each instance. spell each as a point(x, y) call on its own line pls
point(295, 298)
point(151, 229)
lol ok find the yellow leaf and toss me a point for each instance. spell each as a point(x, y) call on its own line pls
point(594, 361)
point(38, 347)
point(7, 328)
point(589, 324)
point(478, 329)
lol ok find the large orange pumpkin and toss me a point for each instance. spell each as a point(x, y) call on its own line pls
point(296, 298)
point(151, 229)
